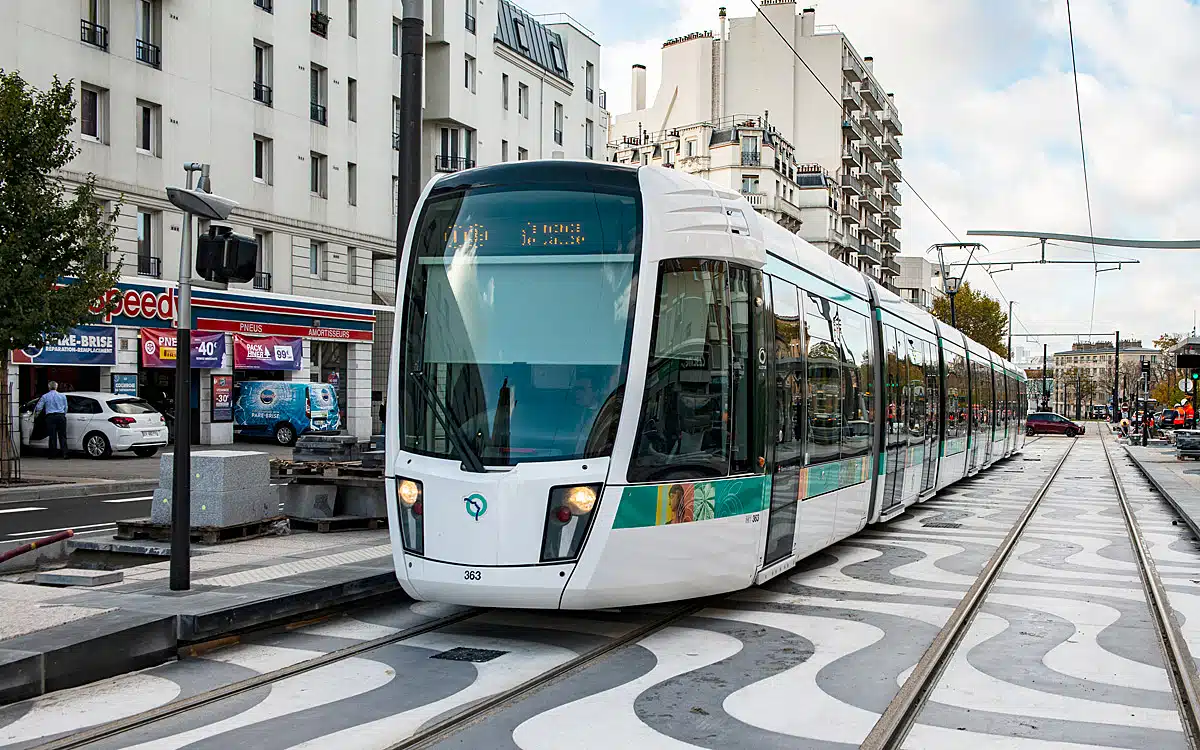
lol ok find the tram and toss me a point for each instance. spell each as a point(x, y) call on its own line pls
point(615, 386)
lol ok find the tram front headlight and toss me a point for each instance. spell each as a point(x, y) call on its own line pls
point(410, 497)
point(568, 518)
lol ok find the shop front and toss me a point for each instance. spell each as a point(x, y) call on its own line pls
point(77, 362)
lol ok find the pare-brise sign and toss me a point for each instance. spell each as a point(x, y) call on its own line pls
point(132, 303)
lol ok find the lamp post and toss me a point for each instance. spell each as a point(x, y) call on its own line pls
point(952, 286)
point(199, 202)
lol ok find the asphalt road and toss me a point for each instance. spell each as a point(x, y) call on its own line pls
point(26, 520)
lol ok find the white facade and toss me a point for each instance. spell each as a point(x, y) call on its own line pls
point(919, 281)
point(845, 145)
point(293, 105)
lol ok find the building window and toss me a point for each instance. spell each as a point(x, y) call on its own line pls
point(522, 35)
point(262, 159)
point(504, 89)
point(315, 258)
point(395, 193)
point(317, 84)
point(149, 263)
point(351, 100)
point(262, 72)
point(317, 177)
point(146, 45)
point(93, 113)
point(589, 78)
point(558, 123)
point(522, 154)
point(352, 183)
point(352, 18)
point(266, 5)
point(749, 184)
point(319, 23)
point(558, 60)
point(503, 151)
point(523, 100)
point(469, 20)
point(351, 265)
point(396, 37)
point(690, 147)
point(93, 27)
point(589, 136)
point(149, 123)
point(262, 264)
point(469, 73)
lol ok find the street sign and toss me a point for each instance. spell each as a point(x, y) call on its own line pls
point(1185, 385)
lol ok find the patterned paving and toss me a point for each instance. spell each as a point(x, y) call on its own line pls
point(1062, 654)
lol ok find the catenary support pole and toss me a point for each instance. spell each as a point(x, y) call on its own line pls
point(412, 52)
point(181, 490)
point(1116, 407)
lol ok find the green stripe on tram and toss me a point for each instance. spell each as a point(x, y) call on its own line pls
point(686, 502)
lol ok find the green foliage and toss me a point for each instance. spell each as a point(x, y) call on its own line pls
point(44, 233)
point(977, 315)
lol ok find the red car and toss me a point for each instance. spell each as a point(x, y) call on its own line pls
point(1048, 423)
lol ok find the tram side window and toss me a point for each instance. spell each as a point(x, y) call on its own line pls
point(933, 396)
point(824, 388)
point(789, 374)
point(915, 391)
point(858, 408)
point(684, 430)
point(745, 448)
point(956, 394)
point(896, 376)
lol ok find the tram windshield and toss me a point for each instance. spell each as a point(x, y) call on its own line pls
point(517, 319)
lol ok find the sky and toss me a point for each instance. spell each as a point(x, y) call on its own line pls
point(991, 140)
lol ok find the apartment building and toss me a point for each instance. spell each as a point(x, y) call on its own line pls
point(1086, 370)
point(293, 105)
point(919, 282)
point(842, 177)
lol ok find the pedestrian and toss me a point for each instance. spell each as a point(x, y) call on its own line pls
point(54, 405)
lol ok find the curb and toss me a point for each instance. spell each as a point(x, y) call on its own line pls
point(1187, 518)
point(123, 641)
point(88, 488)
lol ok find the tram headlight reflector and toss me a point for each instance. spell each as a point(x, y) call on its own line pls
point(410, 496)
point(580, 500)
point(409, 492)
point(569, 515)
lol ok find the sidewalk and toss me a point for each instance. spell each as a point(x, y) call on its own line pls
point(1178, 481)
point(55, 638)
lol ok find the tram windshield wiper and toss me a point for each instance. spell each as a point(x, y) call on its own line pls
point(471, 460)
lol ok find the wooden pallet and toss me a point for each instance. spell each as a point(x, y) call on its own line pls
point(142, 528)
point(338, 523)
point(291, 470)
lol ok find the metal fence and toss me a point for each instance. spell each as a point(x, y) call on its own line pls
point(10, 439)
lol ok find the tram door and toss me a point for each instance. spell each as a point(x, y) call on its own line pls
point(787, 446)
point(895, 434)
point(933, 418)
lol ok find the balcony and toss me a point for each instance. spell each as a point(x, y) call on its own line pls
point(850, 156)
point(262, 280)
point(316, 113)
point(756, 200)
point(852, 67)
point(871, 227)
point(850, 214)
point(850, 98)
point(892, 122)
point(148, 53)
point(854, 128)
point(266, 5)
point(870, 123)
point(892, 194)
point(852, 184)
point(469, 22)
point(695, 163)
point(890, 243)
point(262, 93)
point(891, 146)
point(319, 23)
point(452, 163)
point(891, 219)
point(871, 96)
point(891, 169)
point(789, 210)
point(868, 252)
point(751, 158)
point(890, 266)
point(870, 176)
point(870, 199)
point(148, 265)
point(94, 34)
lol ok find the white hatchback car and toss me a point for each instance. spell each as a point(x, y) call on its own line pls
point(100, 423)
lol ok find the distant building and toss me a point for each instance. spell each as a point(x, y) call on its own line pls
point(1088, 368)
point(916, 281)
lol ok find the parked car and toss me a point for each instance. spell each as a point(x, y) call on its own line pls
point(284, 410)
point(1049, 423)
point(1165, 419)
point(100, 423)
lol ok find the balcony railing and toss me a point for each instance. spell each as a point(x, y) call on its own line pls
point(589, 93)
point(262, 280)
point(316, 112)
point(148, 53)
point(890, 242)
point(93, 33)
point(262, 93)
point(892, 194)
point(852, 67)
point(470, 23)
point(603, 99)
point(266, 5)
point(891, 266)
point(868, 251)
point(319, 23)
point(452, 163)
point(871, 175)
point(870, 199)
point(756, 200)
point(148, 265)
point(851, 98)
point(871, 227)
point(891, 218)
point(892, 121)
point(396, 140)
point(892, 146)
point(587, 151)
point(751, 158)
point(558, 136)
point(852, 184)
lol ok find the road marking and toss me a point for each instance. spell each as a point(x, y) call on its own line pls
point(26, 509)
point(130, 499)
point(22, 539)
point(65, 528)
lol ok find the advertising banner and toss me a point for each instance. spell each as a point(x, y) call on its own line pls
point(267, 352)
point(125, 384)
point(84, 345)
point(159, 347)
point(222, 398)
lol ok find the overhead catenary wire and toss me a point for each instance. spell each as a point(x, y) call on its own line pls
point(1087, 193)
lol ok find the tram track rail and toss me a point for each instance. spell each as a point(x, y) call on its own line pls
point(893, 726)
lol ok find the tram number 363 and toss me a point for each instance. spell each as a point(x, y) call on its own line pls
point(754, 518)
point(472, 575)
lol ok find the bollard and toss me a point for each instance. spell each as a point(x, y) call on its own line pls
point(60, 536)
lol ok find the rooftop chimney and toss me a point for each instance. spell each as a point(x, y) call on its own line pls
point(869, 64)
point(639, 87)
point(808, 22)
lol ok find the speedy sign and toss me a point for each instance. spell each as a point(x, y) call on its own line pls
point(84, 345)
point(159, 348)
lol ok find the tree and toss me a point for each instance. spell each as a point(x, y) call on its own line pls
point(44, 234)
point(1164, 376)
point(977, 315)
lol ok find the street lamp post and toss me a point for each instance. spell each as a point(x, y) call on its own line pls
point(951, 290)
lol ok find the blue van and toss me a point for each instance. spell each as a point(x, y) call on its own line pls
point(284, 410)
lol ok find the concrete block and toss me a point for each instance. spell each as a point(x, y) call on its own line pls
point(374, 459)
point(326, 448)
point(78, 577)
point(20, 675)
point(310, 500)
point(220, 508)
point(364, 502)
point(220, 470)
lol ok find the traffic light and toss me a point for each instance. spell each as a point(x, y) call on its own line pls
point(224, 256)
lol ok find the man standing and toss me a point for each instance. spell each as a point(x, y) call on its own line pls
point(54, 404)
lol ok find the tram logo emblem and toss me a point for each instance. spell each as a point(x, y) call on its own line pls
point(476, 505)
